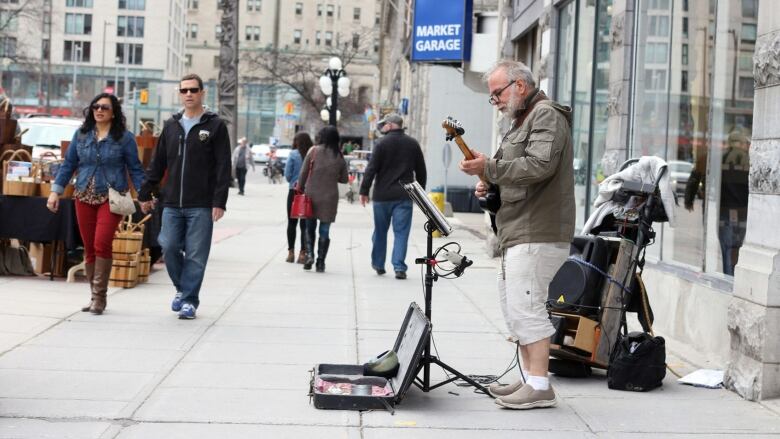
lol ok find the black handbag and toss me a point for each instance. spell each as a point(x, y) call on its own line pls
point(637, 363)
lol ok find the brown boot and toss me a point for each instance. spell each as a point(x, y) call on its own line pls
point(301, 256)
point(89, 271)
point(100, 285)
point(290, 256)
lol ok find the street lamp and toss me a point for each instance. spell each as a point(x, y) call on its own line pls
point(333, 83)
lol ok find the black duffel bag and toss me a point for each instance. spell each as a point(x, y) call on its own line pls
point(638, 363)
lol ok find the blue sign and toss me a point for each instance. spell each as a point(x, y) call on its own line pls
point(442, 31)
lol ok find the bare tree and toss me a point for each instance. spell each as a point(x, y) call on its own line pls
point(14, 16)
point(300, 71)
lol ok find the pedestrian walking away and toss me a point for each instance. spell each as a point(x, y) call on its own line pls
point(194, 149)
point(323, 168)
point(395, 158)
point(292, 170)
point(242, 160)
point(534, 173)
point(103, 153)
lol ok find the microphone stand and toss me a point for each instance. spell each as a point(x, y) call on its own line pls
point(427, 359)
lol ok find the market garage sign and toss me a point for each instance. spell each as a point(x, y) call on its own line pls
point(442, 31)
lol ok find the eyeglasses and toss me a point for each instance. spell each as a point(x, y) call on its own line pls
point(192, 90)
point(494, 96)
point(104, 107)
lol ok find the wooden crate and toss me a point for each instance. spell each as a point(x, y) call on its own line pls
point(127, 244)
point(124, 273)
point(144, 266)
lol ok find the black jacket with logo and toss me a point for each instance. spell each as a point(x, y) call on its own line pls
point(198, 167)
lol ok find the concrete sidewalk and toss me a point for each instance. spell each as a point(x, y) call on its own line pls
point(241, 369)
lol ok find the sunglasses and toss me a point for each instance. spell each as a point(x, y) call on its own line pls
point(494, 97)
point(103, 107)
point(192, 90)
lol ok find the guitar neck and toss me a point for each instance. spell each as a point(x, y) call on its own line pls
point(467, 153)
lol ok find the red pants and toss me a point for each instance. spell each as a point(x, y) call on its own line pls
point(97, 226)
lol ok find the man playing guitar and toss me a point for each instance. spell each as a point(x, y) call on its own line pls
point(535, 222)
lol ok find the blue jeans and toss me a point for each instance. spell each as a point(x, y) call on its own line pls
point(185, 239)
point(399, 214)
point(311, 229)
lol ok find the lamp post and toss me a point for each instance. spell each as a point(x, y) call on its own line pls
point(333, 83)
point(76, 55)
point(103, 58)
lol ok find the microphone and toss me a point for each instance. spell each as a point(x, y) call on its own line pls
point(459, 261)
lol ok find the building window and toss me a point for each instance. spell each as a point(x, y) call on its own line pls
point(356, 14)
point(217, 31)
point(76, 51)
point(684, 81)
point(137, 5)
point(45, 49)
point(659, 26)
point(192, 4)
point(746, 61)
point(192, 31)
point(253, 5)
point(750, 8)
point(656, 53)
point(355, 41)
point(746, 87)
point(297, 34)
point(317, 37)
point(188, 60)
point(661, 5)
point(130, 53)
point(685, 5)
point(78, 24)
point(253, 33)
point(7, 47)
point(130, 26)
point(685, 27)
point(685, 54)
point(329, 11)
point(299, 8)
point(748, 33)
point(655, 79)
point(73, 3)
point(328, 38)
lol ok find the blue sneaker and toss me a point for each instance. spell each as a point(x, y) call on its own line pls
point(187, 311)
point(176, 304)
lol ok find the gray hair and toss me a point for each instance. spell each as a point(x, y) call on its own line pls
point(514, 70)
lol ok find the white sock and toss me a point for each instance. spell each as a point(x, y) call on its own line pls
point(539, 383)
point(525, 376)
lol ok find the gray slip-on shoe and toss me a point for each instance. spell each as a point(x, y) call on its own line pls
point(497, 390)
point(528, 398)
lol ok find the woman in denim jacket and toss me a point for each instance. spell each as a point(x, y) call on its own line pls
point(292, 169)
point(103, 153)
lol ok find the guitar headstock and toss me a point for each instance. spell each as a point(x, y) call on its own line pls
point(452, 127)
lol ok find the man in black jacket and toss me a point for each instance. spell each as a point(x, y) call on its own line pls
point(194, 149)
point(396, 159)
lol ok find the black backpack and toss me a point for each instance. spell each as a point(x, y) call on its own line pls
point(637, 363)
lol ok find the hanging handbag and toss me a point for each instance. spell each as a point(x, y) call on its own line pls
point(301, 206)
point(118, 203)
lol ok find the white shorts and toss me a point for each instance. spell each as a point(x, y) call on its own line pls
point(526, 272)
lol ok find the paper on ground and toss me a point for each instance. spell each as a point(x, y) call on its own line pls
point(709, 378)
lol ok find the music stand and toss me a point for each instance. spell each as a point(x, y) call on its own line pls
point(436, 221)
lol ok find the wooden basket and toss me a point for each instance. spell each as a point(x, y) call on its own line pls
point(17, 188)
point(144, 266)
point(127, 244)
point(124, 274)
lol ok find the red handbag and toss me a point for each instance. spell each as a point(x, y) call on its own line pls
point(301, 206)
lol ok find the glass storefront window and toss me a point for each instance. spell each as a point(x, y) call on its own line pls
point(694, 109)
point(583, 83)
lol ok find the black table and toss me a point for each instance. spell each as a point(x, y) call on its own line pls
point(28, 219)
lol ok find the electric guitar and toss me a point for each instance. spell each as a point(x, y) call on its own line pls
point(491, 202)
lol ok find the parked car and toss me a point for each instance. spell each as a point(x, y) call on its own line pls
point(260, 152)
point(283, 152)
point(45, 133)
point(679, 172)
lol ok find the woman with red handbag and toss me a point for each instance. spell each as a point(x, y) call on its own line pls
point(323, 168)
point(292, 170)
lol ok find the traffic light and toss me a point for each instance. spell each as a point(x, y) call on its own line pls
point(144, 96)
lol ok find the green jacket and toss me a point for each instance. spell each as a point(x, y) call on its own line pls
point(534, 171)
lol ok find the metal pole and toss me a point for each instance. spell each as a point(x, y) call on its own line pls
point(127, 82)
point(74, 49)
point(103, 57)
point(334, 96)
point(116, 76)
